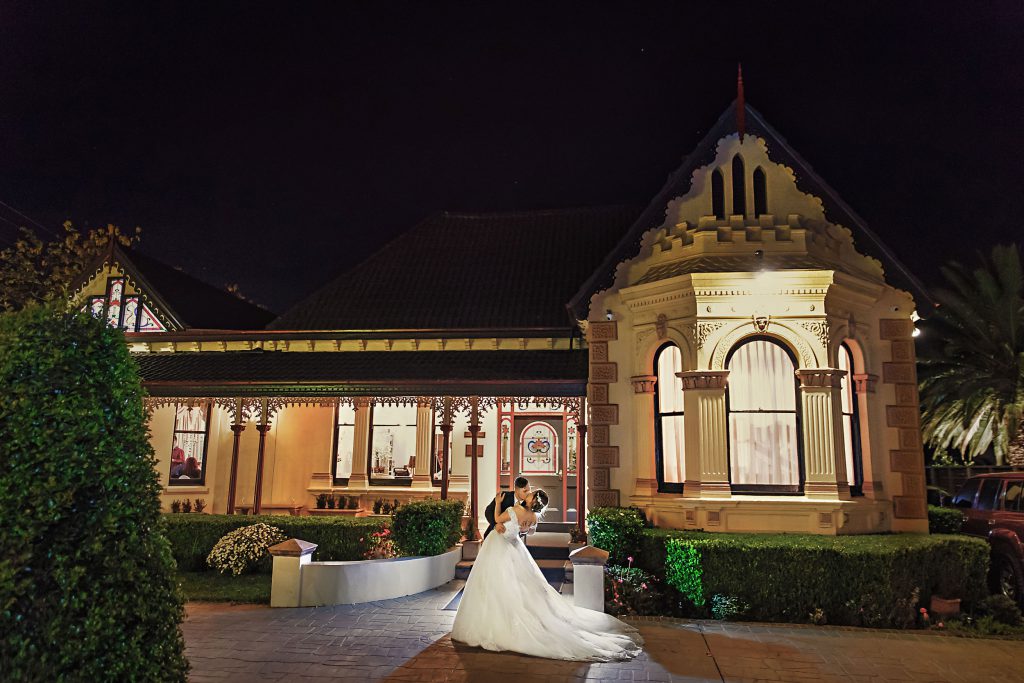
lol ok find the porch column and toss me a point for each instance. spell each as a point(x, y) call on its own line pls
point(474, 431)
point(581, 478)
point(361, 442)
point(263, 426)
point(421, 477)
point(237, 428)
point(706, 434)
point(643, 435)
point(824, 455)
point(446, 430)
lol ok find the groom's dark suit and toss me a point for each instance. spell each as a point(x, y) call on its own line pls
point(508, 499)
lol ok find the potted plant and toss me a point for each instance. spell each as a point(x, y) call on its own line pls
point(200, 504)
point(186, 505)
point(353, 502)
point(330, 501)
point(378, 505)
point(175, 505)
point(321, 501)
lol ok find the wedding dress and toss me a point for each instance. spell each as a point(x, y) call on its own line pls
point(507, 604)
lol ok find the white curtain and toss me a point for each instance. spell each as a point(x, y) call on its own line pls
point(670, 400)
point(846, 363)
point(345, 442)
point(763, 443)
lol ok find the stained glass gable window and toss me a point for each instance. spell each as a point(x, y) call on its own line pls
point(115, 291)
point(131, 313)
point(148, 322)
point(124, 308)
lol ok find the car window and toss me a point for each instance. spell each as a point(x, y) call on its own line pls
point(1012, 497)
point(988, 495)
point(965, 496)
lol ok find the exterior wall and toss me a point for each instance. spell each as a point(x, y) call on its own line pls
point(672, 292)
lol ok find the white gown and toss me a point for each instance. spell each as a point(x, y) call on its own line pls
point(507, 604)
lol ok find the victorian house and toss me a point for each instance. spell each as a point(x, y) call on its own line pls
point(735, 356)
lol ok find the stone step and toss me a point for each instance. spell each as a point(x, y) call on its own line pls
point(555, 571)
point(546, 545)
point(556, 527)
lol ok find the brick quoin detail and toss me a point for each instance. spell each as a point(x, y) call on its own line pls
point(604, 456)
point(598, 435)
point(894, 329)
point(604, 499)
point(600, 478)
point(598, 352)
point(604, 372)
point(603, 330)
point(604, 415)
point(904, 416)
point(597, 393)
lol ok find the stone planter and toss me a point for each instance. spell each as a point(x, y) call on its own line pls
point(944, 607)
point(470, 549)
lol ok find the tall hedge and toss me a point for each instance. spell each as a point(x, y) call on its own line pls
point(428, 527)
point(87, 588)
point(617, 530)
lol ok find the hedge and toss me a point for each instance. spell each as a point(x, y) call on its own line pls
point(944, 520)
point(871, 580)
point(87, 586)
point(192, 536)
point(428, 527)
point(617, 530)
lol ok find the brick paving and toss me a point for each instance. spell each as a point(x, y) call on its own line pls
point(408, 640)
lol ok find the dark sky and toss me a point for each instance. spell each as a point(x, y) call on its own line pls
point(276, 144)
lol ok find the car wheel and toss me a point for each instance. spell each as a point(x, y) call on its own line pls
point(1007, 578)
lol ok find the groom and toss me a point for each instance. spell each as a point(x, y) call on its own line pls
point(514, 497)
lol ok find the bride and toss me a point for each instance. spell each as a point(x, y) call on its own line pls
point(507, 603)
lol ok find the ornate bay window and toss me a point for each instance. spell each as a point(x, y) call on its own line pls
point(764, 430)
point(669, 432)
point(188, 446)
point(851, 423)
point(392, 444)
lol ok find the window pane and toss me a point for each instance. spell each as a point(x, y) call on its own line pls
point(763, 448)
point(394, 440)
point(189, 443)
point(345, 442)
point(761, 377)
point(851, 472)
point(670, 387)
point(131, 309)
point(1012, 498)
point(672, 448)
point(847, 384)
point(114, 302)
point(989, 491)
point(965, 497)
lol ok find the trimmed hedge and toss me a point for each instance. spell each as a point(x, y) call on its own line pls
point(874, 580)
point(944, 520)
point(193, 536)
point(617, 530)
point(428, 527)
point(87, 586)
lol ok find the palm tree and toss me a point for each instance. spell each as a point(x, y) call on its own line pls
point(972, 364)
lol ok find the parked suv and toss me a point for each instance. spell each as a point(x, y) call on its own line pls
point(993, 507)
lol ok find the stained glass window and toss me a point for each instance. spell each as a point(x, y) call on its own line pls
point(148, 322)
point(344, 442)
point(96, 306)
point(188, 448)
point(570, 438)
point(124, 310)
point(392, 442)
point(670, 446)
point(538, 449)
point(506, 445)
point(115, 291)
point(131, 313)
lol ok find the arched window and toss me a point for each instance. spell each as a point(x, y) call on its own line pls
point(739, 187)
point(760, 192)
point(668, 419)
point(718, 195)
point(764, 431)
point(851, 424)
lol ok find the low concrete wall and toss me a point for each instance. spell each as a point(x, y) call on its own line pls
point(346, 583)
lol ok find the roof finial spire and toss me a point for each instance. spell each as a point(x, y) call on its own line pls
point(741, 105)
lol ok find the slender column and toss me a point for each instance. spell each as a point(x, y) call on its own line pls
point(824, 455)
point(421, 477)
point(581, 479)
point(237, 428)
point(643, 435)
point(706, 434)
point(262, 427)
point(474, 431)
point(864, 386)
point(361, 443)
point(446, 430)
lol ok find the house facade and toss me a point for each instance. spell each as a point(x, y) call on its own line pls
point(737, 355)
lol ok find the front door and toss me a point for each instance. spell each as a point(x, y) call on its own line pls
point(539, 454)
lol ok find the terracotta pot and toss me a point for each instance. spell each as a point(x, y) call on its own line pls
point(944, 607)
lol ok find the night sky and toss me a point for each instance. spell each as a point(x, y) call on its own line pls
point(274, 145)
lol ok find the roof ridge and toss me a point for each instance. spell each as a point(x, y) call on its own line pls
point(537, 212)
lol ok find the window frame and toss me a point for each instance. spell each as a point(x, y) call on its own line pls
point(760, 192)
point(739, 187)
point(335, 479)
point(718, 194)
point(378, 480)
point(201, 481)
point(857, 486)
point(767, 489)
point(659, 455)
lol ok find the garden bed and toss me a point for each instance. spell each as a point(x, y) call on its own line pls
point(211, 586)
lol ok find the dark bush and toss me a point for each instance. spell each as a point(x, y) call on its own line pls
point(338, 538)
point(875, 580)
point(87, 587)
point(944, 520)
point(617, 530)
point(428, 527)
point(631, 591)
point(1001, 608)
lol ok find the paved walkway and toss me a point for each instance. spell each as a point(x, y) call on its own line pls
point(408, 640)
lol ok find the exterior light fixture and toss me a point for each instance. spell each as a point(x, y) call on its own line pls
point(608, 314)
point(915, 333)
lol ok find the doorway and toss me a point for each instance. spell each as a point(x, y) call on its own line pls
point(541, 446)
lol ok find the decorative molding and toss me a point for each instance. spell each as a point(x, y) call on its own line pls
point(643, 384)
point(661, 326)
point(865, 383)
point(704, 329)
point(821, 377)
point(703, 379)
point(761, 322)
point(805, 355)
point(819, 328)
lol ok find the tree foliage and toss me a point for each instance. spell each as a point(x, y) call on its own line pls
point(87, 588)
point(34, 271)
point(972, 371)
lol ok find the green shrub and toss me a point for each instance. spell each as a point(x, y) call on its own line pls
point(192, 537)
point(428, 527)
point(1001, 608)
point(87, 586)
point(877, 580)
point(241, 550)
point(944, 520)
point(631, 591)
point(617, 530)
point(727, 607)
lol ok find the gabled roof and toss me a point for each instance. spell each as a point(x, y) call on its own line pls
point(469, 270)
point(185, 300)
point(678, 184)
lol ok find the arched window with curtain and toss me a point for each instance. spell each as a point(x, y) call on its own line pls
point(851, 424)
point(760, 192)
point(764, 425)
point(739, 187)
point(668, 419)
point(718, 194)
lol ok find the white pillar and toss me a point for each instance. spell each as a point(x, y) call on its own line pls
point(588, 577)
point(643, 436)
point(707, 445)
point(424, 440)
point(286, 579)
point(821, 415)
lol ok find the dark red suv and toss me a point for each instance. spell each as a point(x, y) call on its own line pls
point(993, 507)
